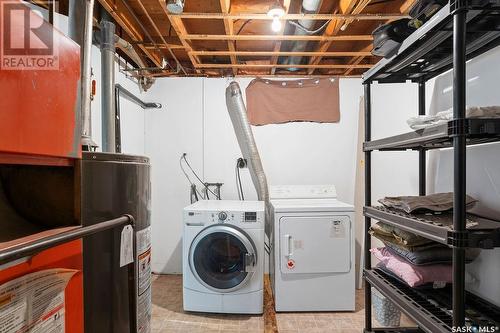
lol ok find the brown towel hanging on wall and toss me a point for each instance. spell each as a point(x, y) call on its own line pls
point(276, 102)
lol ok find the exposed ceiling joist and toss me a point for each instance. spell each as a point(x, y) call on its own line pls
point(274, 37)
point(180, 30)
point(164, 46)
point(333, 28)
point(120, 14)
point(287, 17)
point(158, 32)
point(281, 53)
point(356, 60)
point(206, 31)
point(406, 6)
point(325, 66)
point(225, 5)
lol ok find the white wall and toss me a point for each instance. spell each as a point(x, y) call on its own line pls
point(196, 121)
point(175, 130)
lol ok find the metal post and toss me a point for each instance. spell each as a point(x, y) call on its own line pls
point(459, 163)
point(421, 152)
point(108, 82)
point(368, 200)
point(81, 14)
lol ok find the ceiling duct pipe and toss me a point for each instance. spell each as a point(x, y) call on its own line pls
point(108, 82)
point(308, 7)
point(238, 114)
point(81, 14)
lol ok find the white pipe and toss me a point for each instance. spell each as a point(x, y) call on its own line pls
point(80, 30)
point(238, 114)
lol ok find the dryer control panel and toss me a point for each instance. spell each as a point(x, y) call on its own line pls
point(303, 192)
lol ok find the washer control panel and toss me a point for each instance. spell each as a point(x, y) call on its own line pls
point(235, 217)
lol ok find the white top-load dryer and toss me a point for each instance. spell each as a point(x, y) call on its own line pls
point(312, 253)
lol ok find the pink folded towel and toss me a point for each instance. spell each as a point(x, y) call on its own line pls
point(413, 275)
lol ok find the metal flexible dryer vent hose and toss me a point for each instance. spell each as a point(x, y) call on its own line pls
point(238, 114)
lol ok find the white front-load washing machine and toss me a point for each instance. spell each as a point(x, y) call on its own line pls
point(312, 250)
point(223, 256)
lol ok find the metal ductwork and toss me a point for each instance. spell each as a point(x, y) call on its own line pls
point(108, 82)
point(145, 82)
point(308, 7)
point(80, 30)
point(238, 113)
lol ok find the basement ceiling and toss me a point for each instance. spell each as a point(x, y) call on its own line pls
point(234, 37)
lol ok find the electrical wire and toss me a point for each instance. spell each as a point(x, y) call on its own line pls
point(193, 185)
point(307, 31)
point(237, 184)
point(239, 30)
point(183, 157)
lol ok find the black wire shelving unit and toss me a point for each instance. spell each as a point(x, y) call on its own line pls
point(460, 31)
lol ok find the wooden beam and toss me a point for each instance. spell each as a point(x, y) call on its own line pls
point(354, 62)
point(287, 17)
point(180, 30)
point(281, 53)
point(158, 32)
point(357, 60)
point(228, 27)
point(276, 37)
point(119, 13)
point(277, 44)
point(326, 66)
point(279, 75)
point(164, 46)
point(406, 6)
point(333, 28)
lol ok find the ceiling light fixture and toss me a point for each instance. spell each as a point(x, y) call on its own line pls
point(276, 11)
point(175, 6)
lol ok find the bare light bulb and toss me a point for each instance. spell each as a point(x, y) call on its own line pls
point(276, 25)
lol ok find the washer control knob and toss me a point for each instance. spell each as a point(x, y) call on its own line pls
point(222, 216)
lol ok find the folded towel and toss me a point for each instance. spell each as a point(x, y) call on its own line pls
point(424, 121)
point(414, 276)
point(438, 202)
point(437, 254)
point(395, 235)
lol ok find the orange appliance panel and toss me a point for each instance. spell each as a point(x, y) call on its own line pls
point(39, 112)
point(68, 256)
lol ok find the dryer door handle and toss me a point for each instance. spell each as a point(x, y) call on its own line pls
point(249, 262)
point(289, 245)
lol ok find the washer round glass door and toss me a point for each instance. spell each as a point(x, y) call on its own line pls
point(222, 257)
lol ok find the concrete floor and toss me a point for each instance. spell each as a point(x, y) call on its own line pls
point(168, 316)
